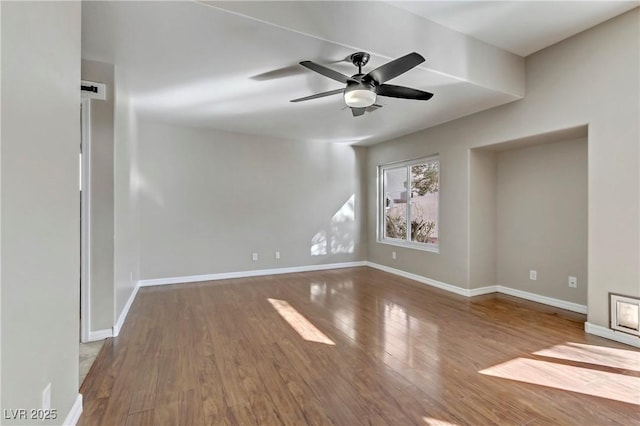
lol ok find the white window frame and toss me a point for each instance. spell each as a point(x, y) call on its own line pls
point(435, 248)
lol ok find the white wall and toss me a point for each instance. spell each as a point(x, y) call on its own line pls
point(483, 175)
point(541, 216)
point(101, 204)
point(209, 199)
point(126, 216)
point(592, 79)
point(40, 204)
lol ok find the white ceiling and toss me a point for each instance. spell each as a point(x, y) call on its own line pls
point(233, 66)
point(521, 27)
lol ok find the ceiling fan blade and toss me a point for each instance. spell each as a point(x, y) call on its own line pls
point(327, 72)
point(278, 73)
point(402, 92)
point(394, 68)
point(318, 95)
point(357, 112)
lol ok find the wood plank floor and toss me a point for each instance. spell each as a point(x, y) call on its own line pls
point(354, 347)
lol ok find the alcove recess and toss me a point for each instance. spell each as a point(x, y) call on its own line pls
point(528, 211)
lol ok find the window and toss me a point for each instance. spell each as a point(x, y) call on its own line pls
point(408, 203)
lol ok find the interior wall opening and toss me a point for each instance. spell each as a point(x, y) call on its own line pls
point(528, 215)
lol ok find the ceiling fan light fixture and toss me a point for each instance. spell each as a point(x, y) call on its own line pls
point(359, 98)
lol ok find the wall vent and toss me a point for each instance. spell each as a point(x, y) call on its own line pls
point(625, 314)
point(93, 90)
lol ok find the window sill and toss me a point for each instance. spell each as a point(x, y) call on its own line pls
point(417, 246)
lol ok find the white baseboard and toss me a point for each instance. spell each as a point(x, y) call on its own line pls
point(438, 284)
point(75, 413)
point(607, 333)
point(483, 290)
point(570, 306)
point(125, 311)
point(246, 274)
point(563, 304)
point(100, 334)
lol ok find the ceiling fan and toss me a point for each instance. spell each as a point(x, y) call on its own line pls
point(362, 90)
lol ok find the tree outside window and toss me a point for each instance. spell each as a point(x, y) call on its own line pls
point(410, 203)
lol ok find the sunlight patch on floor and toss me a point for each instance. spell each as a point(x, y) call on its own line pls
point(586, 381)
point(299, 323)
point(435, 422)
point(599, 355)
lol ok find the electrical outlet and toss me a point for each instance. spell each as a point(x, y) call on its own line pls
point(573, 282)
point(393, 255)
point(277, 255)
point(533, 275)
point(46, 397)
point(254, 256)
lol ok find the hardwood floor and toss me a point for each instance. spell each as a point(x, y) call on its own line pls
point(88, 353)
point(382, 350)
